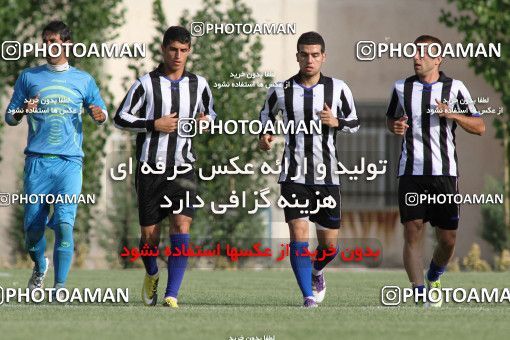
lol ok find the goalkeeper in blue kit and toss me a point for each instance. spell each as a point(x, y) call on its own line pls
point(52, 97)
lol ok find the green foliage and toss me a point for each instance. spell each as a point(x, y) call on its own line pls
point(89, 21)
point(473, 261)
point(215, 57)
point(494, 230)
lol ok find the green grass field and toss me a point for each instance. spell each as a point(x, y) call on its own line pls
point(224, 304)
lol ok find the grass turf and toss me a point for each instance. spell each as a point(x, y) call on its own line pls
point(229, 304)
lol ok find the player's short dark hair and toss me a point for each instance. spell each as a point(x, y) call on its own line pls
point(58, 27)
point(177, 33)
point(311, 38)
point(428, 39)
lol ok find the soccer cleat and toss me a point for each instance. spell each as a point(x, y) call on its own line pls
point(310, 303)
point(434, 295)
point(318, 287)
point(170, 302)
point(150, 289)
point(59, 295)
point(37, 279)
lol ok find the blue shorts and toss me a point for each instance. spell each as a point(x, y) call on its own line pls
point(55, 176)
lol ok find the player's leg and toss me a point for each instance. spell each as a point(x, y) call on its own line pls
point(67, 177)
point(149, 238)
point(149, 190)
point(327, 250)
point(445, 217)
point(413, 216)
point(327, 222)
point(442, 253)
point(414, 232)
point(179, 238)
point(35, 219)
point(297, 219)
point(301, 265)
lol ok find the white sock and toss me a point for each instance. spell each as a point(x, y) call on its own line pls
point(317, 272)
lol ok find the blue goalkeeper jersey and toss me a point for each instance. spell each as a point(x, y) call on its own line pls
point(55, 127)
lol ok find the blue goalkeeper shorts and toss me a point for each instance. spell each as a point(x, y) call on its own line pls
point(56, 176)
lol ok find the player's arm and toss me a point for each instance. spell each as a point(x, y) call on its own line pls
point(206, 108)
point(396, 120)
point(94, 104)
point(467, 116)
point(347, 117)
point(267, 114)
point(207, 104)
point(19, 105)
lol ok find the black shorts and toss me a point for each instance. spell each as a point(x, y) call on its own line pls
point(325, 217)
point(152, 188)
point(412, 207)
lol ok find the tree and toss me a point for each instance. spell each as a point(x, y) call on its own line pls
point(89, 21)
point(486, 22)
point(215, 57)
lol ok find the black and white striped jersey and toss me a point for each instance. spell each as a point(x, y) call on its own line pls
point(428, 147)
point(306, 150)
point(153, 96)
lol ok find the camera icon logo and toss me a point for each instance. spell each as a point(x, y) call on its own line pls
point(197, 29)
point(365, 50)
point(11, 50)
point(5, 199)
point(390, 296)
point(187, 127)
point(411, 199)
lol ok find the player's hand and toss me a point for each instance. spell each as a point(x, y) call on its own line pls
point(31, 105)
point(97, 113)
point(265, 142)
point(443, 110)
point(400, 126)
point(203, 117)
point(166, 124)
point(327, 117)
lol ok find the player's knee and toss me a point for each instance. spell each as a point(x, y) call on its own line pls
point(447, 241)
point(180, 229)
point(32, 236)
point(413, 232)
point(64, 236)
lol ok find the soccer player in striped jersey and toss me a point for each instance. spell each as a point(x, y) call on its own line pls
point(52, 96)
point(309, 96)
point(152, 108)
point(425, 109)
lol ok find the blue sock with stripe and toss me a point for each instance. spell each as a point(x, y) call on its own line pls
point(150, 262)
point(302, 267)
point(176, 265)
point(35, 243)
point(320, 263)
point(63, 252)
point(435, 271)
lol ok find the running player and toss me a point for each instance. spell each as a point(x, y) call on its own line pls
point(152, 108)
point(52, 96)
point(426, 109)
point(309, 96)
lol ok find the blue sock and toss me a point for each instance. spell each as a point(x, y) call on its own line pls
point(319, 265)
point(418, 290)
point(302, 267)
point(63, 252)
point(176, 265)
point(435, 271)
point(35, 243)
point(150, 262)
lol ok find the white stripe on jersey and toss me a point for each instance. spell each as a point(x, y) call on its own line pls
point(304, 152)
